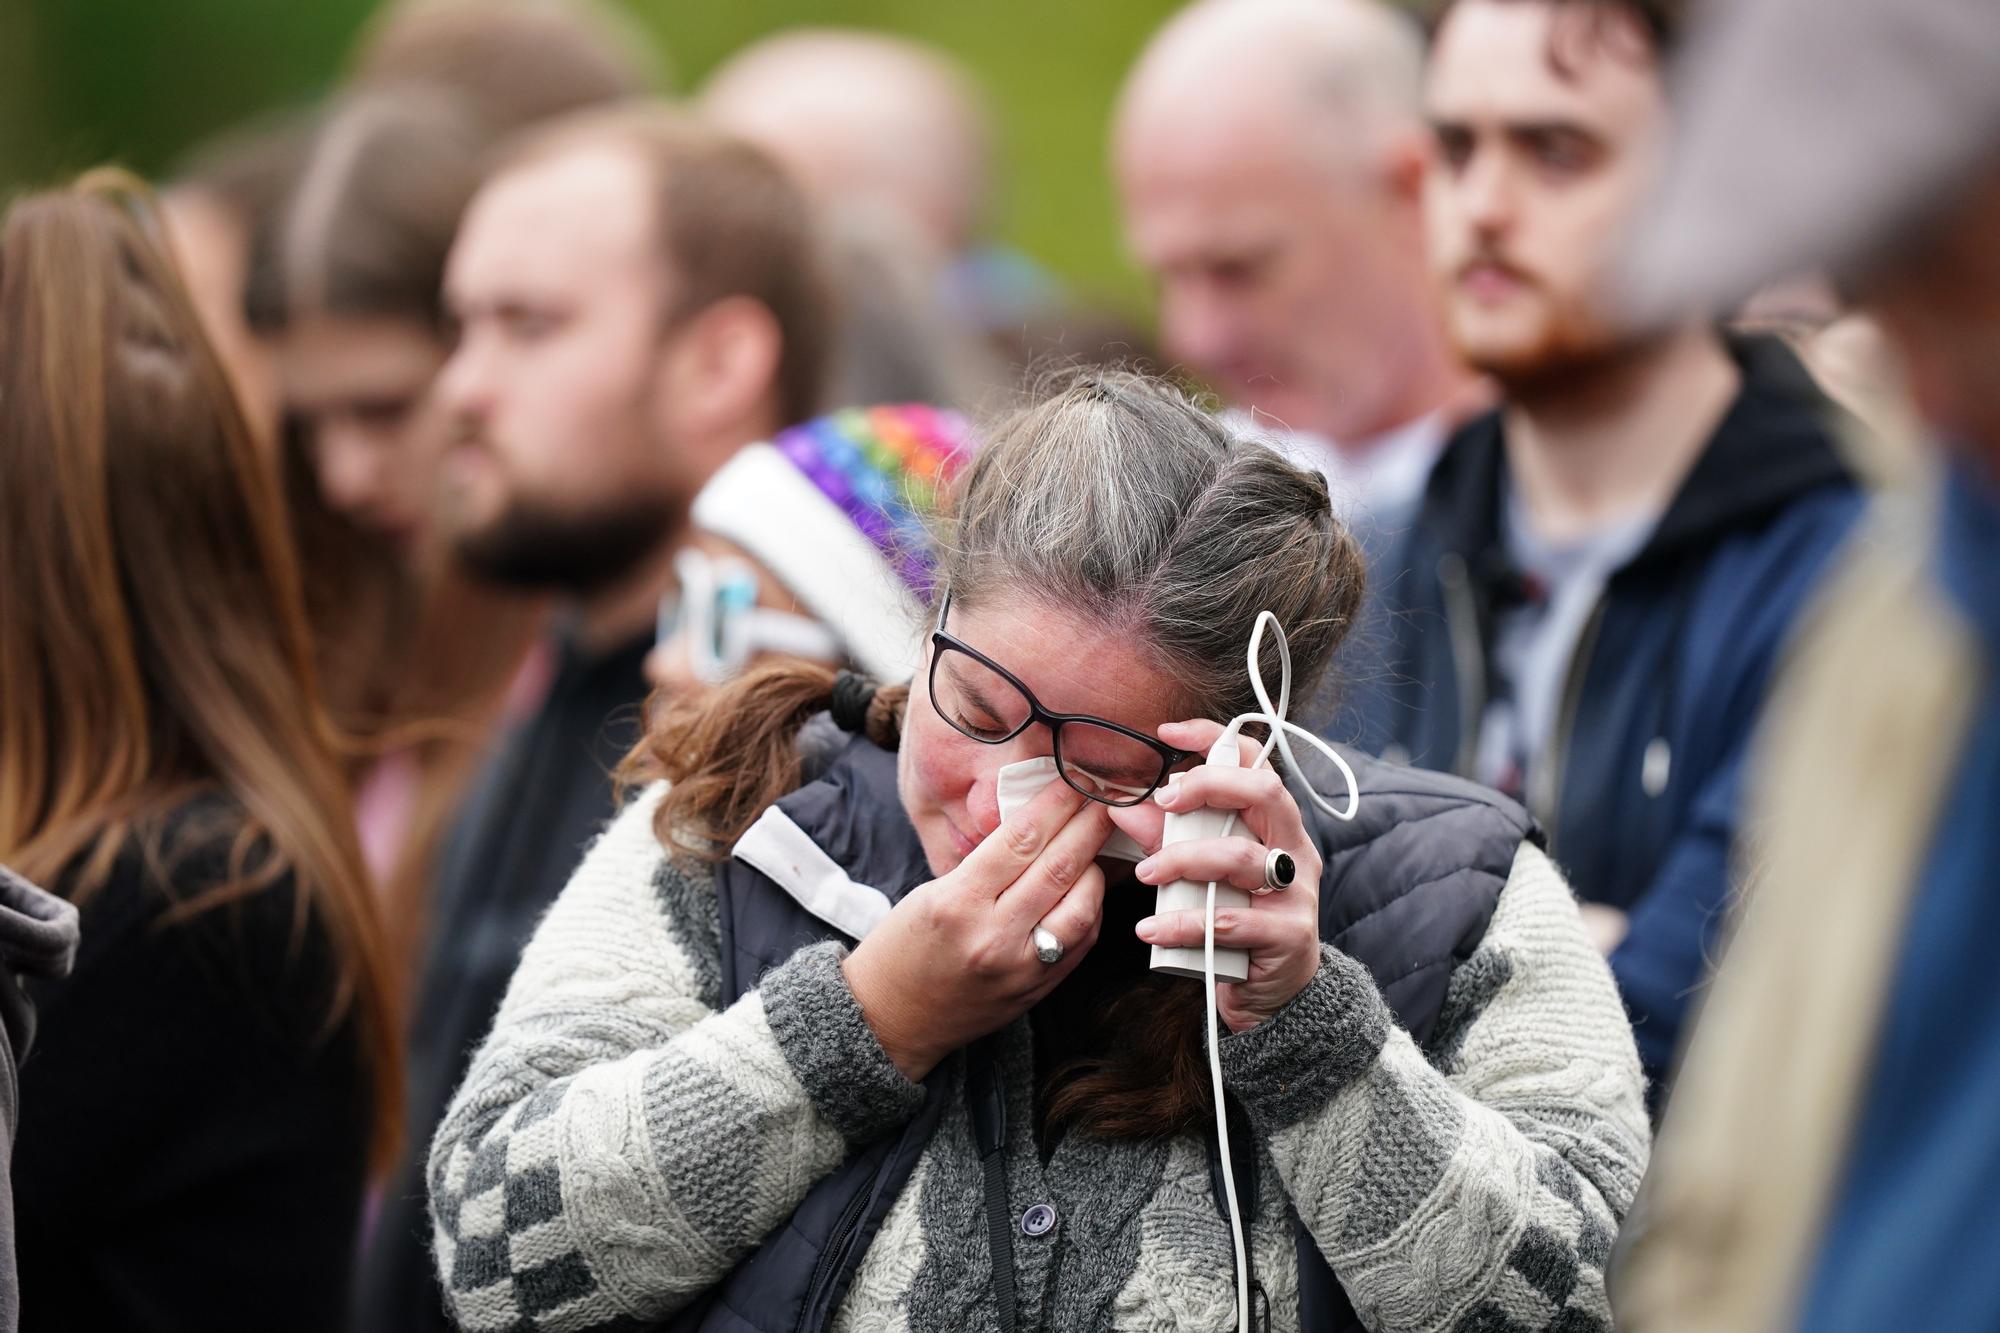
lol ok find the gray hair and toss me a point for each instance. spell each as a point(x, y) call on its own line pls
point(1117, 497)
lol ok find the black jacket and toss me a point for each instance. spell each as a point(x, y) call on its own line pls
point(193, 1141)
point(532, 810)
point(1641, 789)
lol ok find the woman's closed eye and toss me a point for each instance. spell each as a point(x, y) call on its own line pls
point(978, 723)
point(1122, 784)
point(973, 711)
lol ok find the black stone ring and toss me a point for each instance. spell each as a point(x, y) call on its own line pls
point(1279, 871)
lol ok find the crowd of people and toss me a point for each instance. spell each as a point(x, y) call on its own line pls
point(596, 686)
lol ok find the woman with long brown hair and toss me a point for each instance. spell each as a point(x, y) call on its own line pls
point(418, 656)
point(212, 1083)
point(874, 1039)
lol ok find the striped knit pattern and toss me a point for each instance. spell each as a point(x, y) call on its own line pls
point(883, 467)
point(621, 1143)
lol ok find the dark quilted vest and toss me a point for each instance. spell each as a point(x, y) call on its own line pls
point(1410, 885)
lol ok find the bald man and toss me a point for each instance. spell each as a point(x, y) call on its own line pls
point(863, 119)
point(891, 140)
point(1270, 161)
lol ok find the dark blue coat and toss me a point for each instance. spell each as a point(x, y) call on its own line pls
point(1641, 793)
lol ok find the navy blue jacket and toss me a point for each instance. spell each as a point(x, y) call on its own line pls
point(1641, 791)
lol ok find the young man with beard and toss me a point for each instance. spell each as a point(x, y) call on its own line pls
point(636, 300)
point(1604, 567)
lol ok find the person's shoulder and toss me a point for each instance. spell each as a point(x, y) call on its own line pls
point(1433, 823)
point(1785, 448)
point(632, 848)
point(1400, 791)
point(199, 912)
point(1826, 512)
point(1753, 587)
point(166, 862)
point(207, 849)
point(633, 828)
point(1467, 468)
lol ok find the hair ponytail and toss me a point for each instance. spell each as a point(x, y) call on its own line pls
point(884, 720)
point(727, 754)
point(863, 708)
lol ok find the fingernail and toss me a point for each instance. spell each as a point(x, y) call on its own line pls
point(1148, 928)
point(1167, 793)
point(1144, 870)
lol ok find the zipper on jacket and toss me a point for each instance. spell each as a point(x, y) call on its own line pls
point(830, 1258)
point(1468, 659)
point(1545, 789)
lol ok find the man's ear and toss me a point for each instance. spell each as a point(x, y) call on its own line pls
point(1403, 158)
point(719, 374)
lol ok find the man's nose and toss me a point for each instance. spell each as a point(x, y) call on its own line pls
point(1489, 195)
point(1198, 326)
point(464, 384)
point(353, 467)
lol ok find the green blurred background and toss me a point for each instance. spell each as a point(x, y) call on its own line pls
point(141, 81)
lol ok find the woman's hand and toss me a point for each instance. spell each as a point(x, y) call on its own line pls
point(956, 958)
point(1280, 929)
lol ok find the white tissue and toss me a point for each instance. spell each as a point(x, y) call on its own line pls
point(1018, 784)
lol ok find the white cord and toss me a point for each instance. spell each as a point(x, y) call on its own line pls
point(1276, 720)
point(1222, 1121)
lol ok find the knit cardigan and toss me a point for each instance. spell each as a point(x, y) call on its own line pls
point(622, 1141)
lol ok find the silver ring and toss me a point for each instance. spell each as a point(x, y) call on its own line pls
point(1280, 870)
point(1047, 947)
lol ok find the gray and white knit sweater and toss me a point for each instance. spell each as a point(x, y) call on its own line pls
point(621, 1142)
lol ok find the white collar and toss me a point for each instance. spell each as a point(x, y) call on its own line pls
point(1384, 473)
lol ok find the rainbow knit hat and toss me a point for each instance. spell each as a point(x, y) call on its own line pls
point(835, 509)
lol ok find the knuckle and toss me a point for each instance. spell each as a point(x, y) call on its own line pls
point(986, 959)
point(934, 912)
point(1023, 838)
point(1062, 868)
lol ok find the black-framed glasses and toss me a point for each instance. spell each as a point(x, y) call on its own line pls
point(985, 702)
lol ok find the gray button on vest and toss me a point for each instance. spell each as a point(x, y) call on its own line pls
point(1038, 1220)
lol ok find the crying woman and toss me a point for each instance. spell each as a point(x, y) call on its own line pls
point(817, 1038)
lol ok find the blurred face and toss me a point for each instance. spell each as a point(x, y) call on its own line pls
point(362, 389)
point(1267, 253)
point(212, 246)
point(1548, 124)
point(1939, 304)
point(862, 129)
point(671, 663)
point(562, 471)
point(949, 781)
